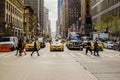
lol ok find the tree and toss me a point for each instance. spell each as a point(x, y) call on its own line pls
point(47, 36)
point(107, 21)
point(115, 27)
point(100, 25)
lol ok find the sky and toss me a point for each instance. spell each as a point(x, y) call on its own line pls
point(52, 6)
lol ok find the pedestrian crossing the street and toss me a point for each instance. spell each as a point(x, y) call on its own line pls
point(60, 54)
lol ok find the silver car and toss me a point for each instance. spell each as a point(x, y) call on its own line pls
point(109, 44)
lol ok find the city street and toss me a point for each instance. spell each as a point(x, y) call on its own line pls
point(57, 65)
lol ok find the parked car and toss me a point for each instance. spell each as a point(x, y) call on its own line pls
point(109, 44)
point(116, 46)
point(30, 45)
point(56, 45)
point(9, 40)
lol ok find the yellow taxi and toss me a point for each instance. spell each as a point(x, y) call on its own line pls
point(30, 46)
point(100, 46)
point(56, 45)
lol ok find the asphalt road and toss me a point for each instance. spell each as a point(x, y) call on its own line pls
point(67, 65)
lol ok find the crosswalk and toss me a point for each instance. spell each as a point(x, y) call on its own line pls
point(60, 54)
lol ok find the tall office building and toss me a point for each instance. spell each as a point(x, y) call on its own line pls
point(38, 7)
point(49, 27)
point(102, 9)
point(59, 21)
point(46, 21)
point(86, 21)
point(71, 13)
point(11, 17)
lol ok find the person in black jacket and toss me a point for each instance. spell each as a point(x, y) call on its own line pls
point(19, 47)
point(35, 49)
point(88, 47)
point(96, 49)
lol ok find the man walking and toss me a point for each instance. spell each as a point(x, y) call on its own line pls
point(19, 47)
point(96, 49)
point(35, 49)
point(88, 47)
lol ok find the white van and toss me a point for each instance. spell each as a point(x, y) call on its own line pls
point(12, 41)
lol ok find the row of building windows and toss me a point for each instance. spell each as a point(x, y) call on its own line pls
point(14, 21)
point(13, 15)
point(108, 2)
point(13, 10)
point(103, 6)
point(114, 12)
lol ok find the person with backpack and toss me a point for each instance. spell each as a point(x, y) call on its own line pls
point(20, 47)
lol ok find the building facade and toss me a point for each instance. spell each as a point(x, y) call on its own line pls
point(31, 22)
point(103, 9)
point(49, 27)
point(70, 15)
point(59, 20)
point(11, 17)
point(38, 7)
point(86, 21)
point(46, 21)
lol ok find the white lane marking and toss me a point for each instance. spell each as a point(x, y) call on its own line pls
point(81, 54)
point(64, 55)
point(92, 61)
point(72, 55)
point(53, 55)
point(8, 56)
point(4, 62)
point(106, 55)
point(2, 55)
point(44, 55)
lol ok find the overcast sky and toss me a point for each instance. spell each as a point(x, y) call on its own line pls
point(52, 6)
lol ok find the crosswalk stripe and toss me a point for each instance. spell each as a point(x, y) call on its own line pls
point(64, 55)
point(8, 56)
point(2, 55)
point(44, 55)
point(81, 54)
point(72, 55)
point(106, 55)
